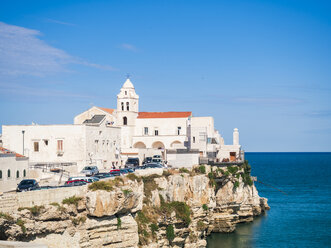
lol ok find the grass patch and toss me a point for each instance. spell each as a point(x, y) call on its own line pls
point(21, 223)
point(154, 228)
point(73, 200)
point(233, 169)
point(149, 186)
point(106, 185)
point(167, 173)
point(59, 207)
point(119, 223)
point(201, 226)
point(134, 177)
point(35, 210)
point(182, 210)
point(170, 233)
point(235, 185)
point(78, 220)
point(126, 192)
point(184, 170)
point(205, 207)
point(6, 216)
point(201, 169)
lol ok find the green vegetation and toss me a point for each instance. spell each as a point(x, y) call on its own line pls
point(106, 185)
point(184, 170)
point(6, 216)
point(59, 207)
point(119, 223)
point(35, 210)
point(167, 173)
point(201, 226)
point(233, 169)
point(133, 177)
point(149, 186)
point(235, 185)
point(21, 223)
point(78, 220)
point(205, 207)
point(154, 227)
point(126, 192)
point(201, 169)
point(220, 170)
point(170, 233)
point(181, 209)
point(73, 200)
point(212, 175)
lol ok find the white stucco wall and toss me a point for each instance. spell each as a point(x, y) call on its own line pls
point(10, 162)
point(178, 160)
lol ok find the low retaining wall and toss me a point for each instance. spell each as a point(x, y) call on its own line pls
point(11, 202)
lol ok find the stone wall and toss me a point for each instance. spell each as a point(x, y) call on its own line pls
point(11, 202)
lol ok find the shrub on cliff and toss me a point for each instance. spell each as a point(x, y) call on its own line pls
point(133, 177)
point(233, 169)
point(181, 209)
point(184, 170)
point(35, 210)
point(205, 207)
point(73, 200)
point(6, 216)
point(170, 233)
point(201, 169)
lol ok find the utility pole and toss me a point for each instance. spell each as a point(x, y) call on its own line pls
point(23, 140)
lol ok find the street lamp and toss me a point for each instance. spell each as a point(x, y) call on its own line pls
point(23, 140)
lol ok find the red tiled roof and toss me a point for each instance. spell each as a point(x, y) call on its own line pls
point(147, 115)
point(110, 111)
point(4, 150)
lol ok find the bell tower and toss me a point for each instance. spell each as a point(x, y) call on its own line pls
point(127, 112)
point(127, 105)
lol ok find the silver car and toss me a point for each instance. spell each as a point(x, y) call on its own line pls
point(90, 170)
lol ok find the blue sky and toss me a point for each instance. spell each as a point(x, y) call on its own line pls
point(261, 66)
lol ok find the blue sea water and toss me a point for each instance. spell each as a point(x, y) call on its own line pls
point(299, 218)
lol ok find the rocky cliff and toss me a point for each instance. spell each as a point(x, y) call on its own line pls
point(176, 209)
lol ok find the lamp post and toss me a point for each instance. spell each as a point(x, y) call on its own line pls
point(23, 140)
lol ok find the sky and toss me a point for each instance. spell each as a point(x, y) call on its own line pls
point(260, 66)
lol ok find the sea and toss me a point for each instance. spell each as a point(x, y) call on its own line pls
point(298, 188)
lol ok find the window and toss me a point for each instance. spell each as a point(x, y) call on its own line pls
point(178, 130)
point(96, 144)
point(17, 174)
point(24, 173)
point(209, 140)
point(156, 132)
point(126, 92)
point(193, 139)
point(0, 174)
point(145, 130)
point(36, 146)
point(8, 173)
point(46, 142)
point(127, 106)
point(125, 121)
point(60, 145)
point(122, 103)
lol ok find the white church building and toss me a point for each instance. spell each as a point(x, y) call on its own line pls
point(149, 133)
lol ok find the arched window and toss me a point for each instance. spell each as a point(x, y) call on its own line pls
point(127, 106)
point(17, 174)
point(122, 103)
point(8, 173)
point(0, 174)
point(24, 173)
point(125, 121)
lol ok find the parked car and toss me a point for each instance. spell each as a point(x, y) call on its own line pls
point(153, 165)
point(27, 185)
point(103, 175)
point(157, 156)
point(115, 172)
point(77, 180)
point(74, 183)
point(90, 170)
point(132, 162)
point(157, 160)
point(87, 179)
point(147, 160)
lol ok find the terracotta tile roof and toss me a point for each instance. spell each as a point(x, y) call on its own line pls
point(147, 115)
point(108, 110)
point(4, 150)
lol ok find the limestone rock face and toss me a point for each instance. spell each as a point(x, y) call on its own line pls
point(194, 190)
point(108, 219)
point(102, 203)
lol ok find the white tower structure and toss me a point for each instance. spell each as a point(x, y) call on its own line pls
point(127, 112)
point(235, 136)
